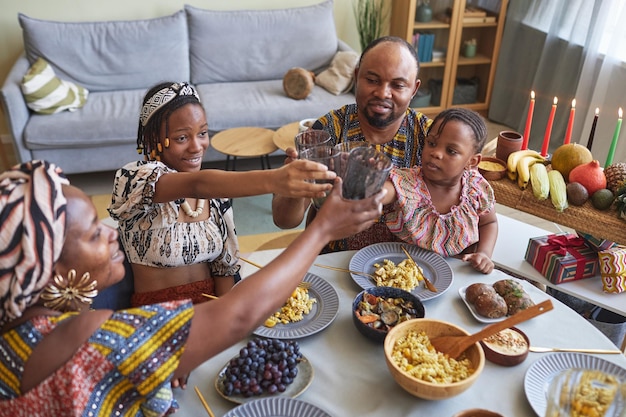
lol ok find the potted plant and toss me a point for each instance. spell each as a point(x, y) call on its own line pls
point(370, 15)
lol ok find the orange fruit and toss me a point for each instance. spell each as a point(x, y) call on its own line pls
point(567, 157)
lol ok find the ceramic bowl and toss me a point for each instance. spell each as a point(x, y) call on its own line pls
point(432, 390)
point(378, 334)
point(492, 168)
point(507, 348)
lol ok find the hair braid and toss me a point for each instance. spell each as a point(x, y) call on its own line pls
point(471, 118)
point(148, 136)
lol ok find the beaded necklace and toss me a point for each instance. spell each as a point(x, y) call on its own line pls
point(193, 213)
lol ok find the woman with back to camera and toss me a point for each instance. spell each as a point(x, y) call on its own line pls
point(175, 219)
point(61, 359)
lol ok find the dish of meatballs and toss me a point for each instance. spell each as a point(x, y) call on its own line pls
point(490, 303)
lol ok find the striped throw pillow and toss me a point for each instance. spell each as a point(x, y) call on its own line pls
point(45, 93)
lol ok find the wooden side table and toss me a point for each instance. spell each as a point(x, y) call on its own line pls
point(245, 142)
point(284, 137)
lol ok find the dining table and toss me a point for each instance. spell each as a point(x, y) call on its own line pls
point(350, 374)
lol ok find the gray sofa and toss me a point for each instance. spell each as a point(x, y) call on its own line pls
point(236, 59)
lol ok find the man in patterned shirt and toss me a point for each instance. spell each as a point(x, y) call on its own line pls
point(386, 81)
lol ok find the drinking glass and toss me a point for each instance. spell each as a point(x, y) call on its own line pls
point(585, 392)
point(366, 173)
point(311, 138)
point(323, 154)
point(343, 151)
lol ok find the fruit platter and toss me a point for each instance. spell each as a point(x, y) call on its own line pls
point(570, 189)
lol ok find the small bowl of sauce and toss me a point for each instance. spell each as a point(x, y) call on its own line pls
point(508, 347)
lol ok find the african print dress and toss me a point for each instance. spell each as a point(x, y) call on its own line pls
point(151, 233)
point(124, 369)
point(416, 220)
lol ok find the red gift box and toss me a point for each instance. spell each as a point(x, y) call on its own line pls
point(562, 257)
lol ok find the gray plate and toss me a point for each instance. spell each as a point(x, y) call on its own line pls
point(297, 387)
point(435, 268)
point(277, 407)
point(541, 372)
point(322, 313)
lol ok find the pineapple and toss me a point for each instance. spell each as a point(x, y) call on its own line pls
point(615, 176)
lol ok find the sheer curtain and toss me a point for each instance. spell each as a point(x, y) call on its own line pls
point(566, 49)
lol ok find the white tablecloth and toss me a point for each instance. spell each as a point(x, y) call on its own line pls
point(350, 374)
point(509, 254)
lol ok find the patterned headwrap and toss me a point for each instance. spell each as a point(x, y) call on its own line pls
point(164, 96)
point(32, 232)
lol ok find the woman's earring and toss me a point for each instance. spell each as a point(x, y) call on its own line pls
point(166, 143)
point(69, 294)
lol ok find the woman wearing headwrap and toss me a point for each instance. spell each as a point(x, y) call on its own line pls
point(58, 358)
point(181, 247)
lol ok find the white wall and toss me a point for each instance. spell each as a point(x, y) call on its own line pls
point(11, 44)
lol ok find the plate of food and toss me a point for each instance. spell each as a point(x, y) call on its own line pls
point(490, 303)
point(277, 406)
point(255, 372)
point(313, 311)
point(390, 265)
point(540, 374)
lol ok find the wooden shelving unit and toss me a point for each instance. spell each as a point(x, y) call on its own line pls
point(450, 36)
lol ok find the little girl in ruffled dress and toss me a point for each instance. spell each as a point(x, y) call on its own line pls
point(445, 205)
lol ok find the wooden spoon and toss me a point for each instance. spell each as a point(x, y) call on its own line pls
point(453, 346)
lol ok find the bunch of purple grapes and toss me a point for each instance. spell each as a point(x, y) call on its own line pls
point(263, 366)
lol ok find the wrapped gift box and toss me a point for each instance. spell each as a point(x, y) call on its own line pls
point(613, 269)
point(596, 243)
point(562, 257)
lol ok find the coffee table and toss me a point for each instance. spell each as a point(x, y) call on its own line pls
point(284, 137)
point(245, 142)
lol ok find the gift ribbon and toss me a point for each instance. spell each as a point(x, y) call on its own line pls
point(562, 245)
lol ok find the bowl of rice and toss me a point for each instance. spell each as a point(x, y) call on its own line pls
point(422, 371)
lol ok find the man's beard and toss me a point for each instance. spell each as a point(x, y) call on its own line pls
point(379, 121)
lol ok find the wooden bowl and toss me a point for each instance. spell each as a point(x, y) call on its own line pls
point(477, 412)
point(492, 168)
point(431, 390)
point(378, 335)
point(500, 354)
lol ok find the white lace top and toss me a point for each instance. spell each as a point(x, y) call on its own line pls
point(151, 233)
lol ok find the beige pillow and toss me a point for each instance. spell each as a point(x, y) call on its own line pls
point(339, 76)
point(45, 93)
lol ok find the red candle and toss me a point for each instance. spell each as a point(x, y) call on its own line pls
point(593, 129)
point(529, 120)
point(546, 137)
point(570, 123)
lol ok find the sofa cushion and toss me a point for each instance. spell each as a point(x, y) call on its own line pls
point(263, 104)
point(114, 55)
point(338, 78)
point(46, 93)
point(108, 118)
point(257, 45)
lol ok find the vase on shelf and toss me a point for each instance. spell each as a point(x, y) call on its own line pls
point(424, 13)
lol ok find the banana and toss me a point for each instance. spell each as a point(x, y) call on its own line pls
point(523, 169)
point(514, 158)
